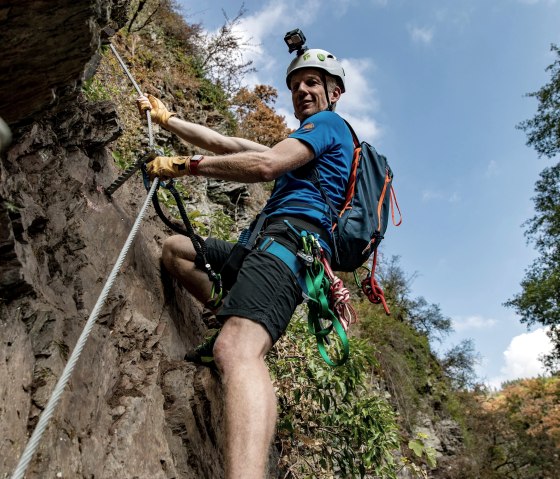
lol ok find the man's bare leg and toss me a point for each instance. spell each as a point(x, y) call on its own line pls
point(178, 255)
point(250, 401)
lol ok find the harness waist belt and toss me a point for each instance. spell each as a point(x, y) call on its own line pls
point(269, 245)
point(303, 224)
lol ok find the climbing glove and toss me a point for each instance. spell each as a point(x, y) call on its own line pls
point(158, 110)
point(165, 167)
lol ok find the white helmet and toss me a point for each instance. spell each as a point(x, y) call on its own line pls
point(321, 59)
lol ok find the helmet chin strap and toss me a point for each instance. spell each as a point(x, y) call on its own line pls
point(329, 104)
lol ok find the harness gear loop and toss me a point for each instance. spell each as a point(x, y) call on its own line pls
point(319, 293)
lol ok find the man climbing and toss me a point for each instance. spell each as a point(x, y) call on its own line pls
point(265, 293)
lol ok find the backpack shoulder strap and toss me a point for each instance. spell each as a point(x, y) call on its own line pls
point(354, 136)
point(315, 177)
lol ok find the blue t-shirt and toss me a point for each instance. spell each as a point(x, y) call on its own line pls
point(331, 141)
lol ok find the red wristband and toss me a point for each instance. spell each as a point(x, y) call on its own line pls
point(193, 164)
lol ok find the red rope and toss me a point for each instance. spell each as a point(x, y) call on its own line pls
point(372, 289)
point(340, 298)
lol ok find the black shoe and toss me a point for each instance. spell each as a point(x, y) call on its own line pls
point(203, 354)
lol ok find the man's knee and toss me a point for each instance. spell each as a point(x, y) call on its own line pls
point(241, 341)
point(176, 248)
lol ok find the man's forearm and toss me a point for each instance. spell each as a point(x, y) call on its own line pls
point(257, 166)
point(245, 167)
point(210, 140)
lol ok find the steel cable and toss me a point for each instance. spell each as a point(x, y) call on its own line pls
point(48, 412)
point(70, 365)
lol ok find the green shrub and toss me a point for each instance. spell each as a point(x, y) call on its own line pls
point(331, 421)
point(94, 90)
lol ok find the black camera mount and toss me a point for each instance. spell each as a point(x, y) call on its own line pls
point(295, 39)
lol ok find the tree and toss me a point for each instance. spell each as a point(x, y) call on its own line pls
point(543, 130)
point(424, 317)
point(222, 58)
point(539, 300)
point(459, 364)
point(257, 119)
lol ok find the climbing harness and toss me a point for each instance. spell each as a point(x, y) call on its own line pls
point(327, 298)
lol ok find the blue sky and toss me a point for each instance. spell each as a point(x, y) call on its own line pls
point(438, 87)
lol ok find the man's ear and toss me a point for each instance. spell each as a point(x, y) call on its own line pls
point(335, 94)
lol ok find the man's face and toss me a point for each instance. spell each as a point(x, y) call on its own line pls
point(308, 93)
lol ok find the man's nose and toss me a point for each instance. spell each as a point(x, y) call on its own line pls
point(301, 89)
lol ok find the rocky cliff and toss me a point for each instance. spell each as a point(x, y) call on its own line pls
point(133, 408)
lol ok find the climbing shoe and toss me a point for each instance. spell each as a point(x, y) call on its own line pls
point(203, 354)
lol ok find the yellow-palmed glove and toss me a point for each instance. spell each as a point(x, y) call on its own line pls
point(158, 110)
point(166, 167)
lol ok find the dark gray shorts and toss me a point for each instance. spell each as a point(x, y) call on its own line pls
point(265, 291)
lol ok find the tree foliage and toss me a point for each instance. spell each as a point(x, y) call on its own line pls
point(516, 432)
point(543, 130)
point(459, 363)
point(257, 119)
point(539, 300)
point(424, 317)
point(332, 421)
point(223, 58)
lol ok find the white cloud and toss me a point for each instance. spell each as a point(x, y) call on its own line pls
point(291, 120)
point(360, 102)
point(270, 23)
point(429, 195)
point(461, 323)
point(274, 19)
point(360, 96)
point(433, 195)
point(454, 198)
point(254, 29)
point(492, 169)
point(366, 127)
point(342, 6)
point(421, 34)
point(533, 2)
point(522, 357)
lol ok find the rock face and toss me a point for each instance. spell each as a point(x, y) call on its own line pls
point(133, 408)
point(45, 46)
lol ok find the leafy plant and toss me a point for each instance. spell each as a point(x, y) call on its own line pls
point(221, 225)
point(94, 90)
point(122, 159)
point(332, 421)
point(422, 450)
